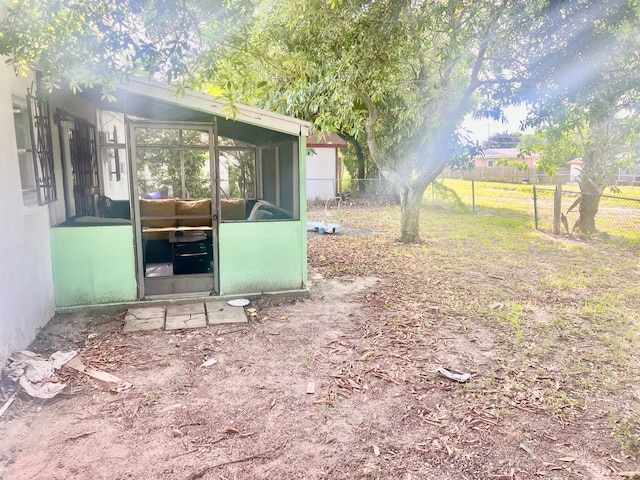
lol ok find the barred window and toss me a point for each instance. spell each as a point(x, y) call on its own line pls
point(41, 146)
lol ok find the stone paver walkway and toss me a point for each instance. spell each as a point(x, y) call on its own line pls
point(186, 315)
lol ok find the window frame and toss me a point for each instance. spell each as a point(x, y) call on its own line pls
point(253, 168)
point(41, 145)
point(24, 150)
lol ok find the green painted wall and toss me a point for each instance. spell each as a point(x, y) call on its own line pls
point(302, 171)
point(258, 257)
point(93, 265)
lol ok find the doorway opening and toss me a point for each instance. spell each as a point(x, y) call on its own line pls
point(174, 176)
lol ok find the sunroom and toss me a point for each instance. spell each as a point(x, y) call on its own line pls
point(170, 194)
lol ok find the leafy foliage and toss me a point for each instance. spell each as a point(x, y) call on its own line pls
point(588, 91)
point(237, 172)
point(171, 171)
point(504, 162)
point(396, 76)
point(603, 145)
point(580, 41)
point(87, 42)
point(400, 76)
point(503, 140)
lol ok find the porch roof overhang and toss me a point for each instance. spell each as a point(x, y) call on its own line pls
point(160, 102)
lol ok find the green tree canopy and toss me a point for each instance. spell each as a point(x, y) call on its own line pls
point(397, 76)
point(87, 42)
point(401, 76)
point(589, 108)
point(503, 140)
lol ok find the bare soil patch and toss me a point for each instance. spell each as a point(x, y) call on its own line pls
point(381, 318)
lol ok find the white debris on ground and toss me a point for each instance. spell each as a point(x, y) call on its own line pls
point(35, 373)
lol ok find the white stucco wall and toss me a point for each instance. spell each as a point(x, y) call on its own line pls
point(321, 174)
point(27, 298)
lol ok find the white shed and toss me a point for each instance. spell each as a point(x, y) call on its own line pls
point(323, 165)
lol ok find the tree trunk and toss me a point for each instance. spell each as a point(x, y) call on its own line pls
point(410, 192)
point(362, 185)
point(410, 204)
point(586, 222)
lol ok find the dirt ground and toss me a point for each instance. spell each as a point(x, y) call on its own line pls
point(325, 387)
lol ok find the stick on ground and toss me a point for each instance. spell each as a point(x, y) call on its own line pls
point(8, 403)
point(204, 471)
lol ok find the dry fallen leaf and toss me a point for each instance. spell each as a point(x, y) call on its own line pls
point(353, 384)
point(208, 363)
point(366, 355)
point(376, 451)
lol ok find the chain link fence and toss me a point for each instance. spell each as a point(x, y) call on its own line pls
point(379, 191)
point(556, 212)
point(371, 189)
point(617, 216)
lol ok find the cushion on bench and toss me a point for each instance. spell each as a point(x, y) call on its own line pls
point(234, 209)
point(194, 207)
point(158, 208)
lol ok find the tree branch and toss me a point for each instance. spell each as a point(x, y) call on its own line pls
point(473, 81)
point(499, 81)
point(374, 151)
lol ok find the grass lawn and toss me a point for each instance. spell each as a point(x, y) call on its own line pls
point(548, 326)
point(618, 217)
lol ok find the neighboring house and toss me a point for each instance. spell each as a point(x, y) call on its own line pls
point(575, 168)
point(493, 157)
point(152, 195)
point(323, 170)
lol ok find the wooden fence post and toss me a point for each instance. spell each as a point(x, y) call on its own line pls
point(473, 195)
point(557, 208)
point(535, 206)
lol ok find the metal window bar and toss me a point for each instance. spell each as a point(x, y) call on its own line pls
point(42, 149)
point(84, 161)
point(116, 155)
